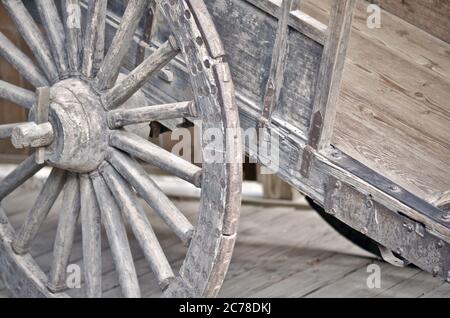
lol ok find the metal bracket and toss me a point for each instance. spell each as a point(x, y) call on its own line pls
point(396, 232)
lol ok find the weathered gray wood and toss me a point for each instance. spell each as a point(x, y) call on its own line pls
point(55, 33)
point(33, 36)
point(140, 225)
point(39, 212)
point(7, 129)
point(42, 110)
point(330, 74)
point(123, 117)
point(152, 194)
point(94, 37)
point(32, 135)
point(72, 23)
point(117, 237)
point(22, 173)
point(22, 63)
point(136, 79)
point(107, 75)
point(249, 35)
point(145, 150)
point(298, 20)
point(20, 96)
point(278, 65)
point(65, 234)
point(25, 278)
point(92, 243)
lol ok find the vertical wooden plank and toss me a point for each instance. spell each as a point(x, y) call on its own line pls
point(279, 57)
point(92, 243)
point(330, 74)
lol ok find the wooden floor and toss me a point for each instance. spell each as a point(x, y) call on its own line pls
point(281, 252)
point(394, 109)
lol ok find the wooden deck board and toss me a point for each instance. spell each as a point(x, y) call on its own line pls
point(281, 252)
point(393, 113)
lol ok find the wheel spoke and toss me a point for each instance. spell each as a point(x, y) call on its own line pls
point(152, 194)
point(39, 212)
point(94, 40)
point(123, 90)
point(22, 173)
point(92, 243)
point(55, 32)
point(110, 68)
point(123, 117)
point(148, 152)
point(65, 234)
point(17, 95)
point(140, 225)
point(22, 63)
point(33, 36)
point(117, 237)
point(6, 130)
point(72, 23)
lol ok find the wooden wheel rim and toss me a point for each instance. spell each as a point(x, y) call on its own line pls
point(212, 242)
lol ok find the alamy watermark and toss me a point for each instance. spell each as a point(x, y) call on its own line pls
point(374, 278)
point(374, 16)
point(217, 145)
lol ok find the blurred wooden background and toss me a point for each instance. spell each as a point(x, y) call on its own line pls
point(10, 113)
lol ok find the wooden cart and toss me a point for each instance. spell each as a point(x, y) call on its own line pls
point(183, 56)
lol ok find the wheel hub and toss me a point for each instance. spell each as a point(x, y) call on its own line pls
point(79, 124)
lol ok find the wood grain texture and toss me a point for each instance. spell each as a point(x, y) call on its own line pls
point(22, 173)
point(21, 62)
point(147, 114)
point(140, 225)
point(145, 150)
point(308, 260)
point(55, 33)
point(65, 234)
point(330, 74)
point(152, 194)
point(109, 71)
point(92, 243)
point(249, 44)
point(20, 96)
point(47, 197)
point(117, 236)
point(94, 39)
point(33, 36)
point(6, 130)
point(431, 16)
point(73, 29)
point(136, 79)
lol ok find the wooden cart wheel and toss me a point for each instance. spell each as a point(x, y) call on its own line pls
point(77, 129)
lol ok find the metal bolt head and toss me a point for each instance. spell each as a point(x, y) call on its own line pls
point(410, 228)
point(436, 271)
point(394, 188)
point(336, 155)
point(338, 185)
point(446, 216)
point(440, 244)
point(369, 203)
